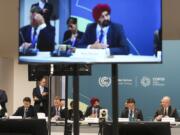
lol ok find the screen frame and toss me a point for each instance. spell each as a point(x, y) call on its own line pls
point(48, 62)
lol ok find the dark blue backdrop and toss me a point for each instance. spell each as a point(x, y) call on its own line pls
point(140, 19)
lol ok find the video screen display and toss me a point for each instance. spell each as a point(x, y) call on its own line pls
point(86, 31)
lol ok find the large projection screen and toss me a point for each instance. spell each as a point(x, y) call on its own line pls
point(141, 22)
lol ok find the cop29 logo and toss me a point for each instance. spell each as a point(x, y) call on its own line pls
point(104, 81)
point(145, 81)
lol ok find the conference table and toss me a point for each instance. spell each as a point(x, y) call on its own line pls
point(130, 127)
point(39, 127)
point(89, 56)
point(23, 127)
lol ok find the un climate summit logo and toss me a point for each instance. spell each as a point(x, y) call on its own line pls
point(104, 81)
point(145, 81)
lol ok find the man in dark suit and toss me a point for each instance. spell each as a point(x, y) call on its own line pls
point(37, 35)
point(46, 9)
point(3, 101)
point(93, 110)
point(27, 110)
point(40, 96)
point(72, 36)
point(131, 111)
point(158, 40)
point(166, 110)
point(104, 34)
point(71, 112)
point(57, 111)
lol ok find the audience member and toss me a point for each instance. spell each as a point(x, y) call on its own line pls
point(131, 111)
point(3, 101)
point(166, 110)
point(40, 96)
point(93, 110)
point(27, 110)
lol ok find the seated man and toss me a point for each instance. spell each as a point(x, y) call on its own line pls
point(131, 111)
point(166, 110)
point(93, 110)
point(104, 34)
point(37, 35)
point(72, 36)
point(3, 101)
point(71, 112)
point(27, 110)
point(57, 111)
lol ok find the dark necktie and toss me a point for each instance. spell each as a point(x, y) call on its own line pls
point(131, 114)
point(101, 36)
point(57, 112)
point(165, 112)
point(25, 113)
point(34, 38)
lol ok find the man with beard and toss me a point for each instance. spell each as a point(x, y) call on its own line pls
point(93, 110)
point(104, 34)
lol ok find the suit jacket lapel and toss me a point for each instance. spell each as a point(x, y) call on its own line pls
point(39, 91)
point(94, 33)
point(29, 33)
point(109, 34)
point(169, 111)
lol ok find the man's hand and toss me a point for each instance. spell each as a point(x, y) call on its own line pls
point(26, 45)
point(159, 117)
point(36, 99)
point(93, 115)
point(45, 10)
point(44, 94)
point(98, 45)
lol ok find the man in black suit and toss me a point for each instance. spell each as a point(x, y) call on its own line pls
point(46, 9)
point(71, 112)
point(3, 101)
point(104, 34)
point(72, 36)
point(40, 96)
point(131, 111)
point(27, 110)
point(158, 40)
point(37, 35)
point(93, 110)
point(57, 111)
point(166, 110)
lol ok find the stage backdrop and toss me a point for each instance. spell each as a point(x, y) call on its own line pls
point(140, 18)
point(147, 83)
